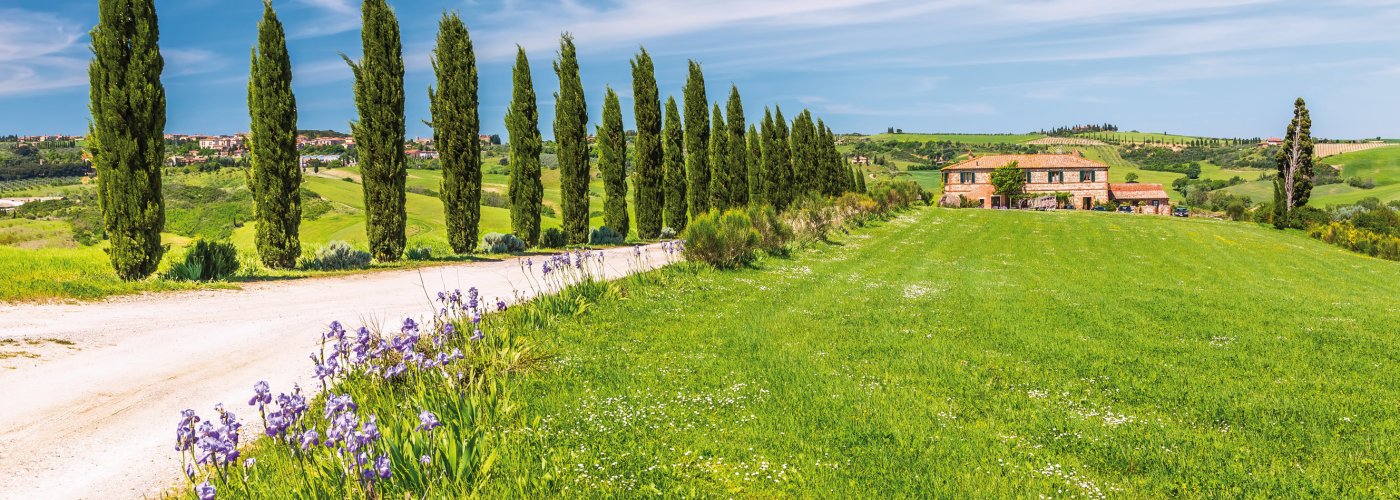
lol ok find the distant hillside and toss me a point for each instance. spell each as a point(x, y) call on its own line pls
point(317, 134)
point(1379, 166)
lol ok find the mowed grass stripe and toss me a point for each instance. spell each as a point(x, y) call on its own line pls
point(993, 353)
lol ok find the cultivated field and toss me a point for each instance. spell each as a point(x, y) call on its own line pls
point(1325, 150)
point(1382, 165)
point(1066, 141)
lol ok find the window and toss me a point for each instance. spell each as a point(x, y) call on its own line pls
point(1086, 176)
point(1056, 176)
point(1028, 177)
point(967, 177)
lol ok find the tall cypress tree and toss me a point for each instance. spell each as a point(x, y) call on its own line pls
point(697, 142)
point(456, 129)
point(757, 194)
point(612, 162)
point(738, 175)
point(834, 176)
point(719, 161)
point(571, 133)
point(777, 163)
point(127, 134)
point(650, 174)
point(379, 134)
point(275, 173)
point(803, 154)
point(673, 149)
point(1295, 162)
point(523, 124)
point(860, 180)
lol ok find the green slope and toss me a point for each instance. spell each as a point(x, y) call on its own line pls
point(987, 354)
point(1381, 164)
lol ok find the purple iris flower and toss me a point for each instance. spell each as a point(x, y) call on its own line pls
point(425, 460)
point(428, 421)
point(206, 491)
point(381, 465)
point(262, 394)
point(309, 438)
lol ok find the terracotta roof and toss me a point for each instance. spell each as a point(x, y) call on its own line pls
point(1136, 191)
point(1026, 161)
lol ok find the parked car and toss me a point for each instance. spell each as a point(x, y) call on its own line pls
point(1099, 208)
point(1181, 212)
point(1125, 209)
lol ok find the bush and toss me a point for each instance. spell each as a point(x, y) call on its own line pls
point(494, 199)
point(503, 243)
point(206, 261)
point(553, 238)
point(420, 253)
point(810, 218)
point(337, 256)
point(605, 236)
point(773, 233)
point(725, 241)
point(1359, 240)
point(668, 233)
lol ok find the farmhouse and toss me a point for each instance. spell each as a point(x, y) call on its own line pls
point(1067, 181)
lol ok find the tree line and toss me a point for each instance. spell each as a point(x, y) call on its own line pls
point(713, 160)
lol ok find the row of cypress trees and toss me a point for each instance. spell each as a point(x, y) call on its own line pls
point(683, 169)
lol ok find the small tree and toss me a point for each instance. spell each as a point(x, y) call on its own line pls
point(1009, 180)
point(1295, 166)
point(1132, 177)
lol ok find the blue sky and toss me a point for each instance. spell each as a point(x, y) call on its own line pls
point(1213, 67)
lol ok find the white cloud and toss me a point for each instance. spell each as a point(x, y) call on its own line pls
point(39, 52)
point(334, 16)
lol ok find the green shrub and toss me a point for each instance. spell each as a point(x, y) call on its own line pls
point(668, 233)
point(337, 256)
point(206, 261)
point(725, 241)
point(503, 243)
point(605, 236)
point(1357, 239)
point(773, 233)
point(420, 253)
point(553, 238)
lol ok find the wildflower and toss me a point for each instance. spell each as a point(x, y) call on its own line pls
point(381, 465)
point(339, 404)
point(500, 305)
point(184, 432)
point(189, 471)
point(206, 491)
point(425, 460)
point(477, 335)
point(428, 421)
point(309, 438)
point(249, 463)
point(262, 394)
point(395, 371)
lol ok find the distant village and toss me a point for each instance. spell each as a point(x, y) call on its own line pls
point(318, 149)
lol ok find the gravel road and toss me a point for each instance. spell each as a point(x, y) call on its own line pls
point(92, 413)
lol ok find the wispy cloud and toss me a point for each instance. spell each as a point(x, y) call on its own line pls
point(39, 52)
point(331, 17)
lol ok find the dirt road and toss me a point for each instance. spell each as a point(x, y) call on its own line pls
point(94, 414)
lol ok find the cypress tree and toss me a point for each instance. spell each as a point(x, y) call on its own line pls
point(275, 173)
point(650, 174)
point(571, 133)
point(860, 180)
point(777, 166)
point(612, 161)
point(673, 149)
point(523, 124)
point(757, 195)
point(456, 126)
point(127, 134)
point(737, 178)
point(1295, 159)
point(697, 142)
point(379, 134)
point(803, 143)
point(853, 182)
point(719, 161)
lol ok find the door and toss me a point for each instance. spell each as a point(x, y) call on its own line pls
point(1088, 202)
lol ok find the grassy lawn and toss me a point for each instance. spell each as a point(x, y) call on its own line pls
point(65, 273)
point(963, 138)
point(990, 354)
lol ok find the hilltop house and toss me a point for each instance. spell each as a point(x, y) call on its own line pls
point(1052, 181)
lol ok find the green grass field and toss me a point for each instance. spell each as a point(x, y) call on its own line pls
point(950, 353)
point(1144, 136)
point(963, 138)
